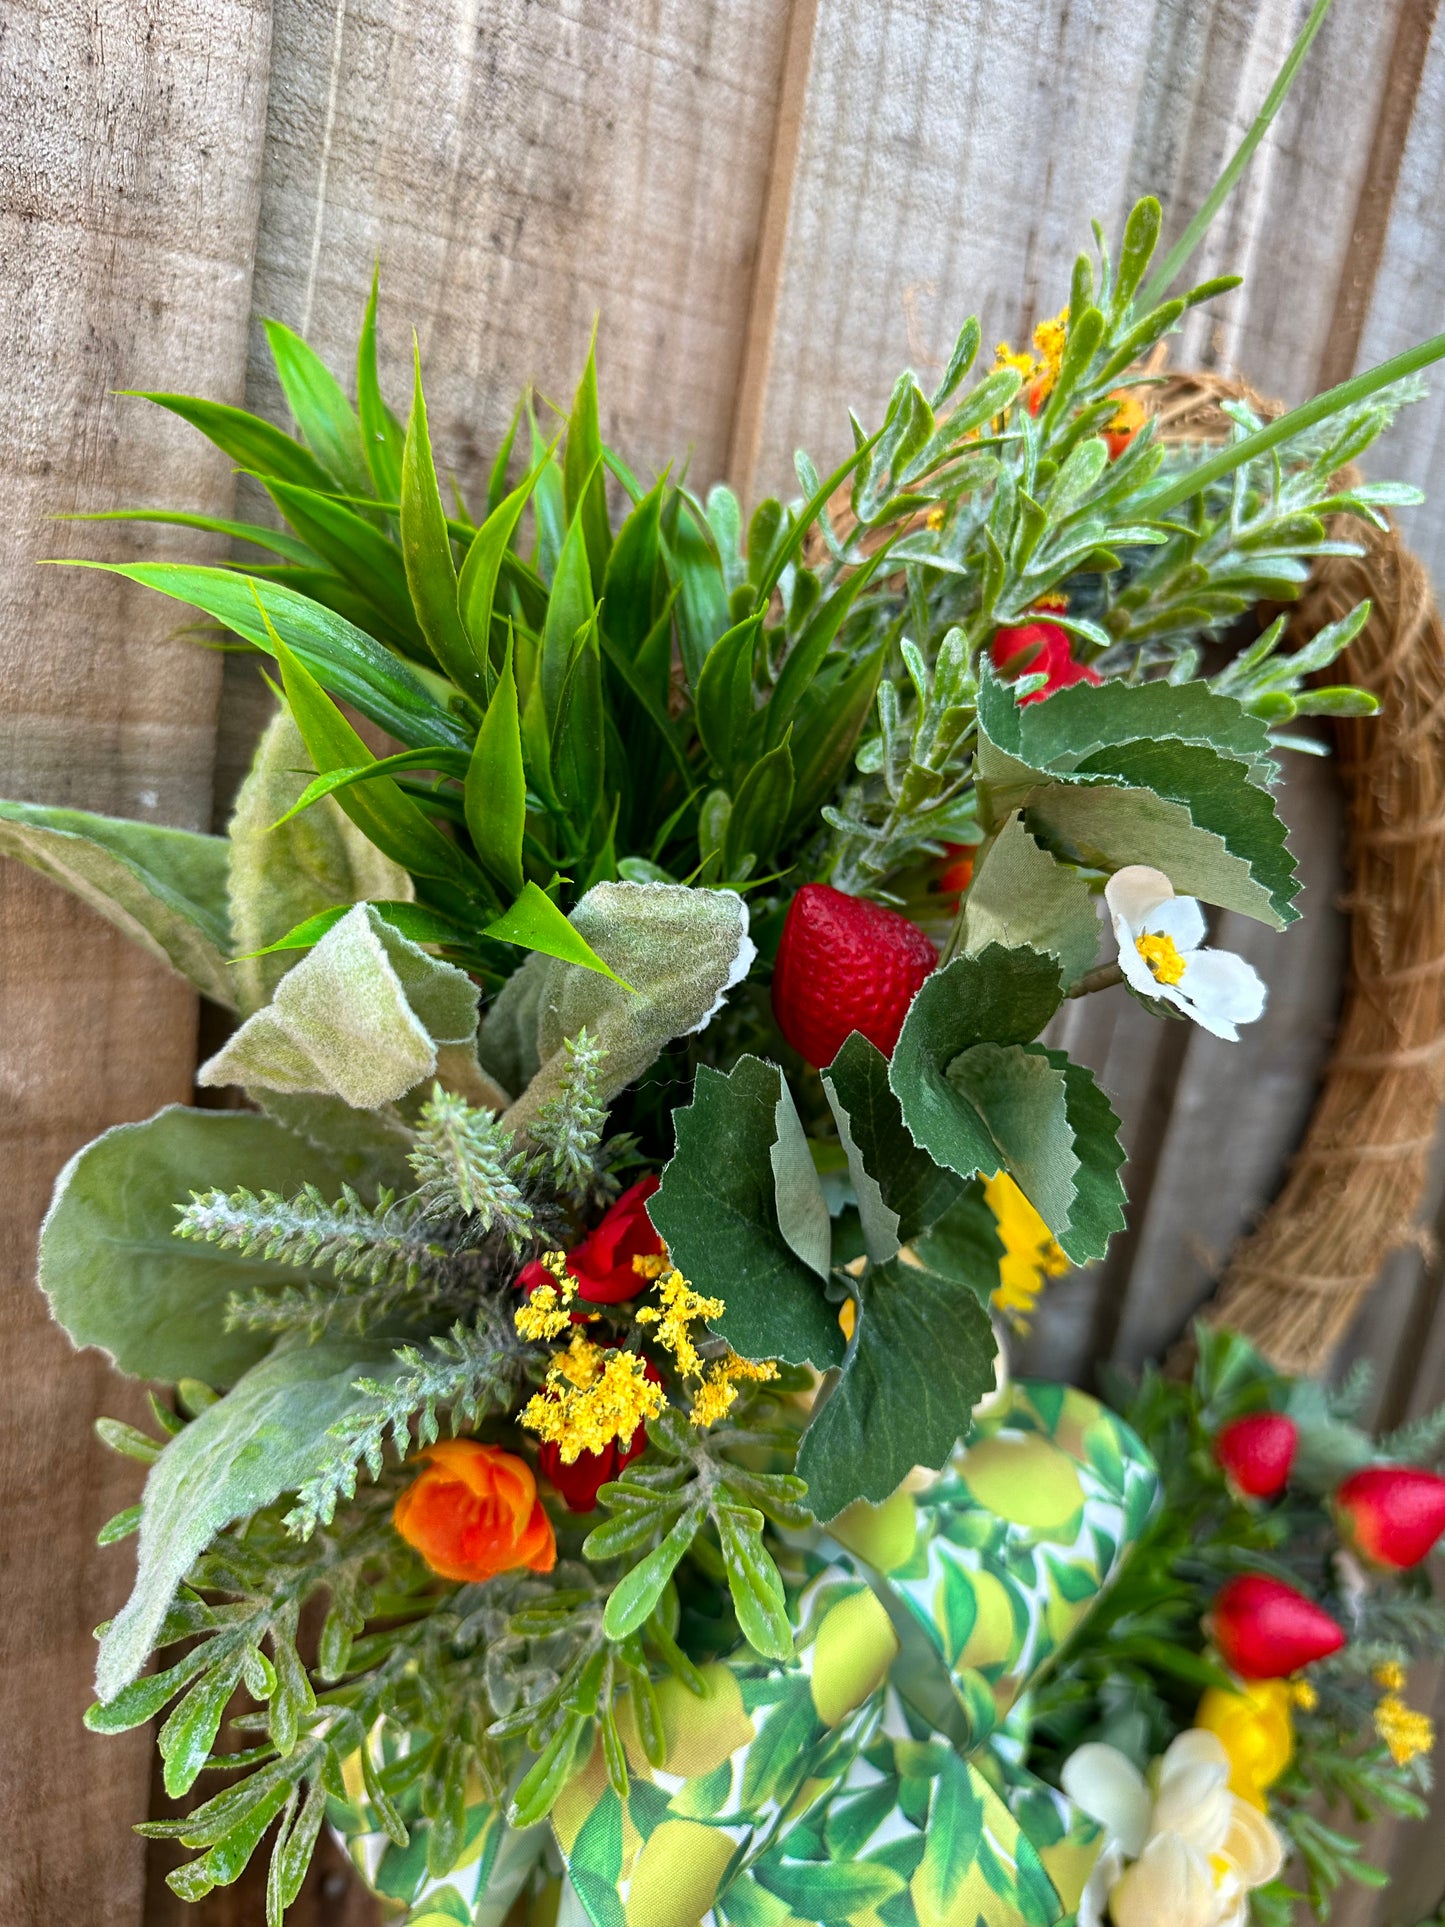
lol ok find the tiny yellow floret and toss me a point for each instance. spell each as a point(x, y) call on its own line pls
point(681, 1306)
point(1390, 1675)
point(936, 517)
point(715, 1396)
point(592, 1397)
point(1161, 953)
point(651, 1264)
point(1303, 1695)
point(547, 1311)
point(1406, 1732)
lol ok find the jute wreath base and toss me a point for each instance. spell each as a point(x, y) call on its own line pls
point(1355, 1185)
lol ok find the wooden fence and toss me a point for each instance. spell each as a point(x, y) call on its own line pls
point(772, 205)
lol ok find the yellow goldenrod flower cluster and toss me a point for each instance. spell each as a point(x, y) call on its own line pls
point(1389, 1675)
point(717, 1381)
point(1030, 1253)
point(1303, 1695)
point(548, 1310)
point(592, 1396)
point(595, 1394)
point(1407, 1733)
point(1041, 369)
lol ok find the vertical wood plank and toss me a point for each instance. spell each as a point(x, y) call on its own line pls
point(950, 160)
point(129, 184)
point(516, 171)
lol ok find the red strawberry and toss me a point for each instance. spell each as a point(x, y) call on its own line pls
point(1257, 1452)
point(1264, 1629)
point(1391, 1514)
point(1040, 648)
point(845, 964)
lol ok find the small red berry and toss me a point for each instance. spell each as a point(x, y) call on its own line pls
point(1391, 1514)
point(1040, 648)
point(1257, 1452)
point(1264, 1629)
point(845, 964)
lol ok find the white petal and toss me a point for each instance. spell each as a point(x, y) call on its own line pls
point(1196, 1804)
point(1222, 990)
point(1169, 1885)
point(1094, 1900)
point(1195, 1746)
point(1105, 1784)
point(1134, 893)
point(1253, 1845)
point(1180, 918)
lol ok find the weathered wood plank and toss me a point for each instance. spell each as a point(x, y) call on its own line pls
point(129, 181)
point(516, 171)
point(950, 159)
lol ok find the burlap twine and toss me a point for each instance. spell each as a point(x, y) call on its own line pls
point(1355, 1185)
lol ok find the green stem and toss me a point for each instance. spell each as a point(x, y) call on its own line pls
point(1345, 395)
point(1168, 270)
point(1101, 979)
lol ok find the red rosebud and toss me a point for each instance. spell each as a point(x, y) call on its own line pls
point(580, 1482)
point(602, 1263)
point(1257, 1452)
point(1264, 1629)
point(1391, 1514)
point(845, 964)
point(1040, 648)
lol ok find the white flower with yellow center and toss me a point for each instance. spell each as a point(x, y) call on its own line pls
point(1180, 1847)
point(1159, 936)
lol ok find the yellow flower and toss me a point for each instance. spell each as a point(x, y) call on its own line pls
point(936, 517)
point(1050, 338)
point(714, 1397)
point(1030, 1253)
point(681, 1306)
point(1005, 357)
point(592, 1397)
point(547, 1310)
point(1303, 1695)
point(1255, 1725)
point(1406, 1732)
point(1390, 1675)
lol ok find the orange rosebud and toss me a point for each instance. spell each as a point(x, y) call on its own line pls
point(474, 1512)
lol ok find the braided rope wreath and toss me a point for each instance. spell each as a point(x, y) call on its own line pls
point(1355, 1185)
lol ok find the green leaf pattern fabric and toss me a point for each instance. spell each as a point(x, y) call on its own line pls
point(875, 1777)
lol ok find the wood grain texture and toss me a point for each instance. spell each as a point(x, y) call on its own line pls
point(517, 170)
point(129, 142)
point(950, 159)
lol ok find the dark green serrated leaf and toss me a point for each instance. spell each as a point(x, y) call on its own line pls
point(716, 1208)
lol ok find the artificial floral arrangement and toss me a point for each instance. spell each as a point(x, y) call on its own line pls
point(591, 1448)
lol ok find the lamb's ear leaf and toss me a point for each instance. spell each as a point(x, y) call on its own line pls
point(717, 1208)
point(360, 1017)
point(900, 1190)
point(241, 1454)
point(165, 888)
point(878, 1423)
point(680, 950)
point(116, 1275)
point(284, 875)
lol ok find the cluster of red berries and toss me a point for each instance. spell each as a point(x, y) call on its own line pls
point(1389, 1515)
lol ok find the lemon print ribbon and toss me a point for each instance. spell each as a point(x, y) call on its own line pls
point(877, 1769)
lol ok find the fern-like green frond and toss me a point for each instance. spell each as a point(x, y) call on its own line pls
point(568, 1128)
point(467, 1373)
point(384, 1246)
point(466, 1169)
